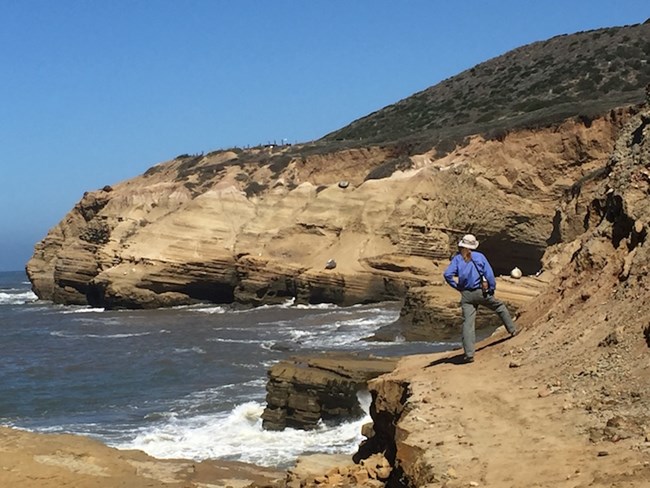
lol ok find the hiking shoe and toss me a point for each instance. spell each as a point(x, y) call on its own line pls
point(516, 332)
point(468, 359)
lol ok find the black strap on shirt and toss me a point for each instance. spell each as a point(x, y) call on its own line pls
point(480, 275)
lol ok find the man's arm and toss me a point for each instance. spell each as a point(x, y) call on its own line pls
point(450, 272)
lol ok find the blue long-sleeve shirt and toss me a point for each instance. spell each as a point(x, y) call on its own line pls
point(467, 274)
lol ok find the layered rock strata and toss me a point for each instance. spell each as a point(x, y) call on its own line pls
point(258, 226)
point(302, 392)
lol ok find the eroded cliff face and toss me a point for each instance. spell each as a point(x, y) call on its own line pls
point(586, 338)
point(259, 226)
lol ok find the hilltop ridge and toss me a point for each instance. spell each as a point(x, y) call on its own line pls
point(579, 74)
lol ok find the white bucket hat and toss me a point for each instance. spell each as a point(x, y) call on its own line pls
point(468, 241)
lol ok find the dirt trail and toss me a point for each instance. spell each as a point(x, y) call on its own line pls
point(495, 425)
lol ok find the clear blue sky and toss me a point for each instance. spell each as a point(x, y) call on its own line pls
point(93, 92)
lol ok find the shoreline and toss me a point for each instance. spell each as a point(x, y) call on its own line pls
point(53, 460)
point(463, 424)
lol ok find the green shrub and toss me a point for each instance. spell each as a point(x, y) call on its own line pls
point(254, 188)
point(387, 168)
point(279, 163)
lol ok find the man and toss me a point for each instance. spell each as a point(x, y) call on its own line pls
point(476, 284)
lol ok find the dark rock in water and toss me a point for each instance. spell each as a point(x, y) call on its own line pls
point(302, 391)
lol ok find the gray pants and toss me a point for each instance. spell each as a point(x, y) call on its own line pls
point(469, 302)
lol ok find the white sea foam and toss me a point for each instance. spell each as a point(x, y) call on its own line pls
point(288, 304)
point(238, 435)
point(210, 310)
point(317, 306)
point(276, 323)
point(235, 341)
point(230, 390)
point(84, 310)
point(340, 334)
point(195, 349)
point(17, 298)
point(268, 345)
point(60, 333)
point(116, 336)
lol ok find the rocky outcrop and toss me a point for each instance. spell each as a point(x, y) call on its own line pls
point(301, 392)
point(259, 226)
point(432, 312)
point(333, 470)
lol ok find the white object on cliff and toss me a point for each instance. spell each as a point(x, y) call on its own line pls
point(515, 273)
point(331, 264)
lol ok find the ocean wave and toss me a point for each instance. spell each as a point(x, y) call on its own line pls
point(195, 349)
point(275, 323)
point(239, 436)
point(209, 395)
point(83, 310)
point(335, 330)
point(60, 333)
point(339, 334)
point(210, 310)
point(276, 346)
point(291, 303)
point(287, 304)
point(235, 341)
point(17, 298)
point(317, 306)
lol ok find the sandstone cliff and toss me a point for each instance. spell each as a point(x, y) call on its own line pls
point(258, 226)
point(491, 151)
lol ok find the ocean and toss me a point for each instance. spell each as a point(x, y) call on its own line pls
point(185, 382)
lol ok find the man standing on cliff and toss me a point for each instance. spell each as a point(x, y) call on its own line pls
point(476, 284)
